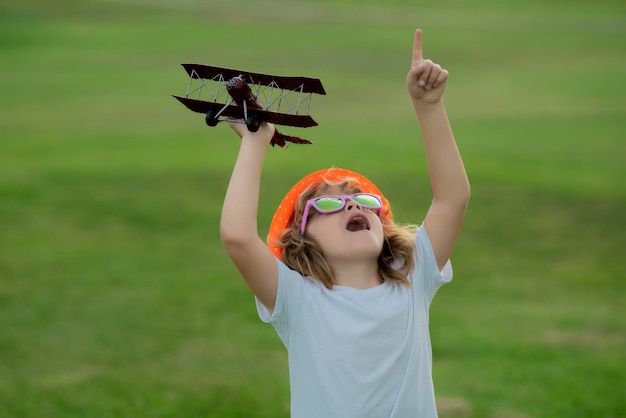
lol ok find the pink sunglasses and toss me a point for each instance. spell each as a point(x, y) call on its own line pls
point(332, 204)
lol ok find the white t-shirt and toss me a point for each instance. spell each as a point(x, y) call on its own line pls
point(359, 353)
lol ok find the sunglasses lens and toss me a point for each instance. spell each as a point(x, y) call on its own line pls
point(367, 200)
point(328, 203)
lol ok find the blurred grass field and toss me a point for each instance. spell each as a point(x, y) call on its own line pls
point(116, 298)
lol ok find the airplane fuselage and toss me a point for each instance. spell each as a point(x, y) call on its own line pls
point(240, 92)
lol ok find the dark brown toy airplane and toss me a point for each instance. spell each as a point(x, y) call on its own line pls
point(226, 95)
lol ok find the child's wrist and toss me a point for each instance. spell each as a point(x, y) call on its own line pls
point(256, 140)
point(424, 106)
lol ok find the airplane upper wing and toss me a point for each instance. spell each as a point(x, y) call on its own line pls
point(308, 85)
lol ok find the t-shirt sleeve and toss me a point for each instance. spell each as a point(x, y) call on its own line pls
point(291, 298)
point(427, 275)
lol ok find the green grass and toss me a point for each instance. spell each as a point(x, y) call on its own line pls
point(116, 298)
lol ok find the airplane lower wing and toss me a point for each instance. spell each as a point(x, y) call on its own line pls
point(236, 112)
point(202, 106)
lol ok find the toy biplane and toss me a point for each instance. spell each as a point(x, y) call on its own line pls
point(227, 95)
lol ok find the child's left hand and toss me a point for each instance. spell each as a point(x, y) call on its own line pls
point(426, 80)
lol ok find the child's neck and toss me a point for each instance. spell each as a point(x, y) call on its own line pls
point(358, 275)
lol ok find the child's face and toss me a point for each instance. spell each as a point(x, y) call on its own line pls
point(353, 232)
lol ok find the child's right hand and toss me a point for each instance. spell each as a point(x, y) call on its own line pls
point(264, 134)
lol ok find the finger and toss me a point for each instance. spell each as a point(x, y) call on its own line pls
point(417, 47)
point(425, 69)
point(432, 77)
point(441, 79)
point(236, 127)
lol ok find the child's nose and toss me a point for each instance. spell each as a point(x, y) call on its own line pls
point(351, 204)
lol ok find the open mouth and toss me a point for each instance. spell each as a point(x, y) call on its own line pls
point(358, 223)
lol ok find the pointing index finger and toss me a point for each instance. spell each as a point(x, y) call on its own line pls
point(417, 47)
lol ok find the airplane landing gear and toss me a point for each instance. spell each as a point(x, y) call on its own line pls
point(253, 123)
point(210, 118)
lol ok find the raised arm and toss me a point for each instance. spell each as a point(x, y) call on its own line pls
point(426, 82)
point(238, 225)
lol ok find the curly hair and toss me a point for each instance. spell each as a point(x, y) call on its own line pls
point(305, 256)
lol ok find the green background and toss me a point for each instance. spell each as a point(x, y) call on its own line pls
point(116, 297)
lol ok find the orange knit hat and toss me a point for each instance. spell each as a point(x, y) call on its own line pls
point(284, 215)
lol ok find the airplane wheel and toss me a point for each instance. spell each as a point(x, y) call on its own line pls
point(253, 123)
point(210, 118)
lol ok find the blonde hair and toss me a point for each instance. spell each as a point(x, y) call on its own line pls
point(304, 255)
